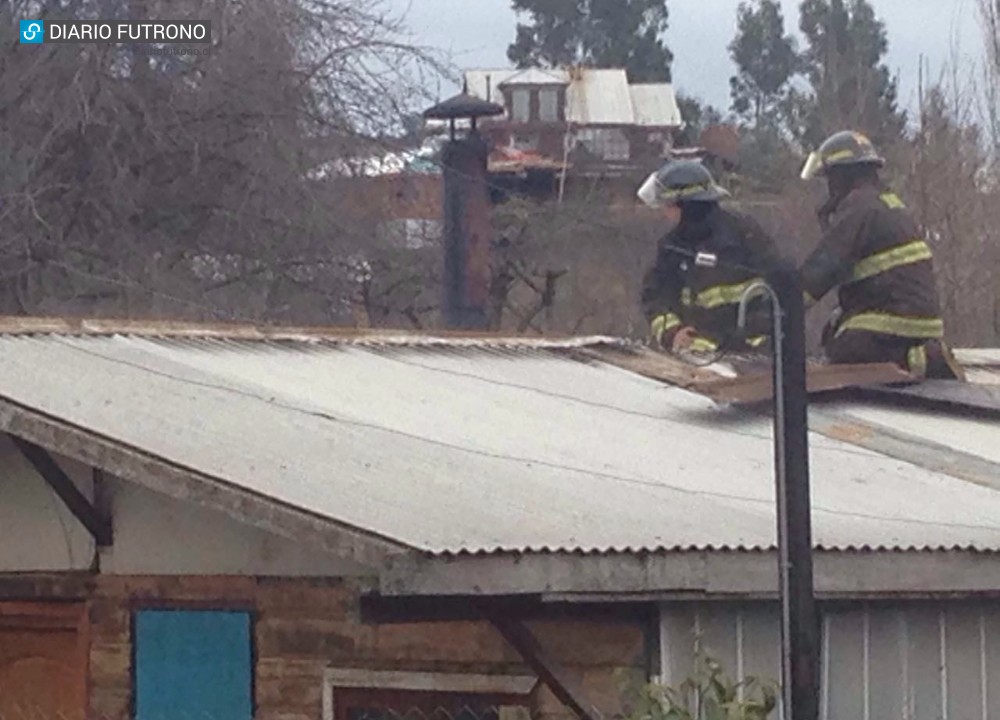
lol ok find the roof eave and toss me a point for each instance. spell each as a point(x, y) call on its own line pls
point(172, 480)
point(692, 574)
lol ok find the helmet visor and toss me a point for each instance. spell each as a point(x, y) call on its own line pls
point(649, 193)
point(813, 166)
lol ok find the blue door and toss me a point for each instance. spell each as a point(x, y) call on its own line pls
point(193, 664)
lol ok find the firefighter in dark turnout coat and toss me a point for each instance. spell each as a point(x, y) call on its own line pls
point(873, 251)
point(692, 305)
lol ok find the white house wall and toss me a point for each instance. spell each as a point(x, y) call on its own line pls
point(39, 533)
point(914, 661)
point(153, 534)
point(159, 535)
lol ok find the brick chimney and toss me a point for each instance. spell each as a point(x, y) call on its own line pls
point(467, 232)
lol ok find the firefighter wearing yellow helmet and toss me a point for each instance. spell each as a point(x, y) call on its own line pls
point(692, 306)
point(874, 252)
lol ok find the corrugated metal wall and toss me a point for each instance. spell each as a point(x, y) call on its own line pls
point(915, 661)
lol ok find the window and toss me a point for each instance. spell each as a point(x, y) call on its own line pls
point(386, 695)
point(524, 142)
point(520, 110)
point(410, 234)
point(193, 664)
point(548, 105)
point(607, 144)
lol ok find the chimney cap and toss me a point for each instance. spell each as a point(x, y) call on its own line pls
point(463, 105)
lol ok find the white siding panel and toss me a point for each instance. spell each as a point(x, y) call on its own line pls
point(718, 627)
point(677, 637)
point(924, 663)
point(762, 643)
point(913, 661)
point(990, 650)
point(962, 660)
point(761, 638)
point(846, 666)
point(887, 666)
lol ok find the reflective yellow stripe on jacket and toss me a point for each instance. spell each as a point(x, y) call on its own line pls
point(906, 254)
point(720, 295)
point(898, 325)
point(916, 361)
point(703, 345)
point(892, 201)
point(663, 324)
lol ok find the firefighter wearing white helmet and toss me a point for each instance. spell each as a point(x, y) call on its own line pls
point(873, 250)
point(692, 306)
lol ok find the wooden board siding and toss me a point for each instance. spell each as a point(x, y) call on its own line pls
point(302, 627)
point(43, 661)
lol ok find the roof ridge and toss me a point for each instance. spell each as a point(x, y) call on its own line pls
point(23, 325)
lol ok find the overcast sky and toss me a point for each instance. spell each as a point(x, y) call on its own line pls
point(476, 34)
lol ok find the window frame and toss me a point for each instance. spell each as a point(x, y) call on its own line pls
point(519, 92)
point(546, 93)
point(389, 680)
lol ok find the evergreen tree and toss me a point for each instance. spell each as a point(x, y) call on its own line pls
point(766, 59)
point(596, 33)
point(852, 87)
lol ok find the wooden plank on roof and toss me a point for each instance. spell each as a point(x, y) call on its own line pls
point(758, 387)
point(650, 364)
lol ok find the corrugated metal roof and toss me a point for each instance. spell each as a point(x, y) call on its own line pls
point(982, 366)
point(449, 448)
point(485, 83)
point(973, 436)
point(537, 76)
point(594, 96)
point(655, 105)
point(600, 97)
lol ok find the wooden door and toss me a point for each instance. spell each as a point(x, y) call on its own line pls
point(43, 661)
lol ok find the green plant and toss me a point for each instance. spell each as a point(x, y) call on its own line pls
point(707, 694)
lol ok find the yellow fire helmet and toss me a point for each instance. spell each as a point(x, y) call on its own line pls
point(842, 148)
point(681, 181)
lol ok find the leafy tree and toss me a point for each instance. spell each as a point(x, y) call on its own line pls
point(597, 33)
point(852, 87)
point(766, 59)
point(767, 160)
point(206, 185)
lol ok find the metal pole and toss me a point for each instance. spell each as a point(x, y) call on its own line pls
point(799, 627)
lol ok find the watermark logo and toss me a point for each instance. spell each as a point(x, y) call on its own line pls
point(198, 32)
point(32, 32)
